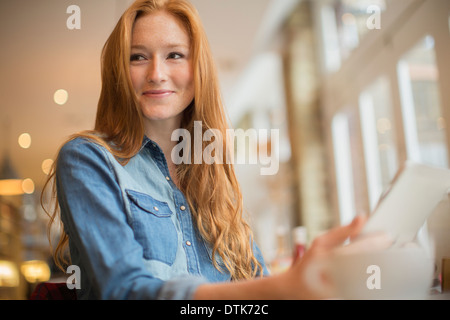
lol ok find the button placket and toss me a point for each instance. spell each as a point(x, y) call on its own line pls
point(188, 234)
point(188, 237)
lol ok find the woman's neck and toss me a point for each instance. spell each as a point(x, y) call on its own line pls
point(161, 133)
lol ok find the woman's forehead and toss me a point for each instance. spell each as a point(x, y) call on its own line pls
point(162, 27)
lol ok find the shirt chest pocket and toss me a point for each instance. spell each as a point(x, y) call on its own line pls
point(153, 227)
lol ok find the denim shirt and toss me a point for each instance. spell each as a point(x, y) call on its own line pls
point(130, 228)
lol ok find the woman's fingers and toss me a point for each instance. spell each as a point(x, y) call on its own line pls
point(339, 235)
point(357, 225)
point(371, 242)
point(328, 244)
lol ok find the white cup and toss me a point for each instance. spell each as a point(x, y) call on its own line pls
point(390, 274)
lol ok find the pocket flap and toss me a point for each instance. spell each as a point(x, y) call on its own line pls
point(148, 204)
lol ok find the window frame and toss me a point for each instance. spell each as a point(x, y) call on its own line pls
point(403, 25)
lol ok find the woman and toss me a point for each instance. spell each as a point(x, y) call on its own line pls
point(137, 225)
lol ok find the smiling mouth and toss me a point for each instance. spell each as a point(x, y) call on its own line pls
point(157, 93)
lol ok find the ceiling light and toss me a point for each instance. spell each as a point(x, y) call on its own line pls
point(60, 97)
point(35, 271)
point(28, 186)
point(47, 166)
point(9, 276)
point(25, 140)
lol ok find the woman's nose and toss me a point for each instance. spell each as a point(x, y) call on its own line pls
point(156, 72)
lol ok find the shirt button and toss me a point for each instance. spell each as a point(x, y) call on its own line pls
point(167, 178)
point(188, 243)
point(183, 208)
point(156, 208)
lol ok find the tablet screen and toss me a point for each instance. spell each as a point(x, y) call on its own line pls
point(413, 195)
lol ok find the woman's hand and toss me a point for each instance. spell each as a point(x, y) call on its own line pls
point(295, 279)
point(293, 284)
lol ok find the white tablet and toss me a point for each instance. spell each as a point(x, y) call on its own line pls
point(413, 195)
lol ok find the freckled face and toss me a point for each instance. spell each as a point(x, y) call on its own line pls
point(161, 67)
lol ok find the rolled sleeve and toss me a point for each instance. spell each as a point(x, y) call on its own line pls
point(182, 288)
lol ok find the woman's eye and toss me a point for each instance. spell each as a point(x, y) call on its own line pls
point(175, 55)
point(137, 57)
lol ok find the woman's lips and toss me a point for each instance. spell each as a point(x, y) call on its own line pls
point(157, 93)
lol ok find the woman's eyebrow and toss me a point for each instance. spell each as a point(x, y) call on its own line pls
point(167, 46)
point(138, 46)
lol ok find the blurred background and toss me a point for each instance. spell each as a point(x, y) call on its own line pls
point(355, 88)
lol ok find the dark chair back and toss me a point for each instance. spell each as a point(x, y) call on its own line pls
point(53, 291)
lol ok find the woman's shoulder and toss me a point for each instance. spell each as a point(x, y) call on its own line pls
point(84, 144)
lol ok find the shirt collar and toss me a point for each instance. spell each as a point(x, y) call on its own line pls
point(147, 142)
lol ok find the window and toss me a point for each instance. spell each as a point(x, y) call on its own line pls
point(344, 24)
point(379, 139)
point(330, 40)
point(352, 17)
point(424, 124)
point(343, 166)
